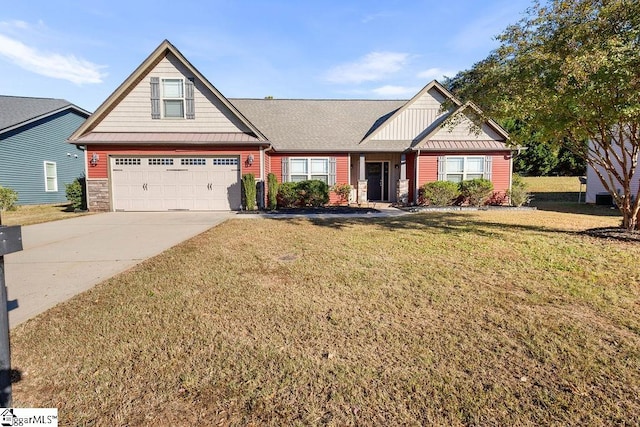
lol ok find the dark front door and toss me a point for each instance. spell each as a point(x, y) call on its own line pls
point(377, 175)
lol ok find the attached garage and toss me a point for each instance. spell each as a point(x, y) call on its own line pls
point(201, 183)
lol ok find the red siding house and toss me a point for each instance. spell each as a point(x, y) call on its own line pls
point(167, 139)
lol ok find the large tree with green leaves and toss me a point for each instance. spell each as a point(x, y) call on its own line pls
point(570, 71)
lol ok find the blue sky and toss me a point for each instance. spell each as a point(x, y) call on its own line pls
point(82, 50)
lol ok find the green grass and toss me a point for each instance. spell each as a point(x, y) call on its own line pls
point(490, 318)
point(560, 194)
point(35, 214)
point(553, 184)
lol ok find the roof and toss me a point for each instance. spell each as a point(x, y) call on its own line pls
point(166, 138)
point(151, 61)
point(18, 111)
point(319, 124)
point(464, 145)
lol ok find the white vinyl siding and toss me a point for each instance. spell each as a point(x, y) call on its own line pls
point(134, 112)
point(418, 116)
point(50, 177)
point(462, 168)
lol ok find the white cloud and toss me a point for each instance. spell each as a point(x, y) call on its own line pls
point(371, 67)
point(391, 90)
point(436, 74)
point(65, 67)
point(375, 16)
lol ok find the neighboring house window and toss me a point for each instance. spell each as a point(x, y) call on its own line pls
point(301, 169)
point(172, 98)
point(462, 168)
point(50, 177)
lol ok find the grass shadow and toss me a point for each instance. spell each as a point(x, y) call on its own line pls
point(557, 196)
point(447, 222)
point(575, 208)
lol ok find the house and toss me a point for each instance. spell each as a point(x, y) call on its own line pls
point(35, 157)
point(596, 191)
point(167, 139)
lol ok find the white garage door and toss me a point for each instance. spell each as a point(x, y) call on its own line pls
point(175, 183)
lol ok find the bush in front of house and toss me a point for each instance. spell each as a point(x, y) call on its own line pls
point(74, 194)
point(343, 191)
point(476, 191)
point(518, 194)
point(249, 191)
point(312, 192)
point(303, 193)
point(8, 199)
point(272, 191)
point(287, 195)
point(439, 193)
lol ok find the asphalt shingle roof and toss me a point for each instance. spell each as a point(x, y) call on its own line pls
point(319, 124)
point(15, 110)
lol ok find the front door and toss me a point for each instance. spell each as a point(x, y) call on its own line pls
point(377, 176)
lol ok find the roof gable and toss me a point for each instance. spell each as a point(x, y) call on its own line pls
point(165, 58)
point(18, 111)
point(460, 127)
point(416, 116)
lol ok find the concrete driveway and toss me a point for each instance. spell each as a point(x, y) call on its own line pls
point(63, 258)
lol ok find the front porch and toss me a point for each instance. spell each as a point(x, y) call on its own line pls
point(380, 177)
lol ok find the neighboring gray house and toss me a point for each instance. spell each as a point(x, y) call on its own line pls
point(35, 158)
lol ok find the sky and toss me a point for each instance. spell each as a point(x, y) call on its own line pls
point(82, 51)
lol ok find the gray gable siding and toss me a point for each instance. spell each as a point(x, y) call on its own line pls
point(23, 152)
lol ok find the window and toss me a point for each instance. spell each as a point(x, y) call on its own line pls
point(193, 162)
point(50, 177)
point(463, 168)
point(127, 162)
point(302, 169)
point(173, 98)
point(225, 161)
point(160, 162)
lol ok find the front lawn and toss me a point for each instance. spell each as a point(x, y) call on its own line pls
point(482, 318)
point(35, 214)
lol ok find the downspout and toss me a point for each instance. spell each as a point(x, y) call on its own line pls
point(416, 177)
point(262, 176)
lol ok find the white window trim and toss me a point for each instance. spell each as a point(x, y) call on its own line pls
point(465, 172)
point(309, 173)
point(163, 98)
point(46, 177)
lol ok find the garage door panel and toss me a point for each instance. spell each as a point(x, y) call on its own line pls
point(160, 184)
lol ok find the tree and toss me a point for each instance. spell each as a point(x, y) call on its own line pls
point(570, 70)
point(538, 159)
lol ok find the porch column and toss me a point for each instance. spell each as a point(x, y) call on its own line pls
point(362, 182)
point(402, 189)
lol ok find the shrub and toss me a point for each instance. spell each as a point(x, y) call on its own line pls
point(312, 192)
point(287, 195)
point(272, 191)
point(8, 199)
point(249, 191)
point(343, 191)
point(439, 193)
point(75, 194)
point(476, 191)
point(304, 193)
point(518, 194)
point(498, 198)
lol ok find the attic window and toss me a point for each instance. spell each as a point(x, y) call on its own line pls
point(173, 98)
